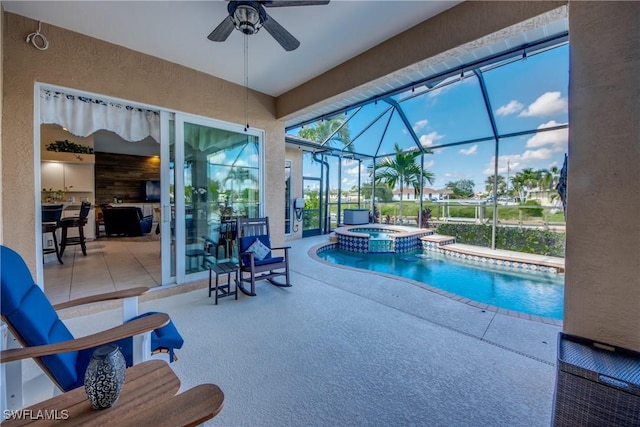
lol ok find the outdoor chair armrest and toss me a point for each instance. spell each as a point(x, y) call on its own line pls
point(127, 293)
point(126, 330)
point(251, 256)
point(189, 408)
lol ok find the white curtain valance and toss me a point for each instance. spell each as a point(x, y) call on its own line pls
point(82, 116)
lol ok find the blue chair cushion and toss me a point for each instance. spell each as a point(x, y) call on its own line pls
point(245, 244)
point(145, 224)
point(32, 317)
point(165, 337)
point(272, 260)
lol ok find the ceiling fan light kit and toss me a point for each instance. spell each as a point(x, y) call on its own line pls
point(249, 16)
point(246, 18)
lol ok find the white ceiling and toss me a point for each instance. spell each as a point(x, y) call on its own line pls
point(177, 31)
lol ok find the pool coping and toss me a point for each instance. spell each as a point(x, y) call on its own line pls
point(313, 254)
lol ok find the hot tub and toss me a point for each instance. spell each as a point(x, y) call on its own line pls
point(380, 238)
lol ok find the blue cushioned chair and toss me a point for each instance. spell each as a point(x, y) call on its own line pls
point(248, 231)
point(35, 324)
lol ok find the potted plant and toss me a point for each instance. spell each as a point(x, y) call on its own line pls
point(66, 150)
point(67, 146)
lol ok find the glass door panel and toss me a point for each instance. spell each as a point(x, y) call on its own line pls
point(312, 203)
point(220, 181)
point(166, 215)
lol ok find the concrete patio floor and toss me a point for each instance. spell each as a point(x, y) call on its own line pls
point(344, 347)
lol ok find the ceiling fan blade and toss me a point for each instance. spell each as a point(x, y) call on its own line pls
point(282, 36)
point(284, 3)
point(222, 31)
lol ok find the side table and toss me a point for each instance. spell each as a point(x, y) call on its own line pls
point(222, 291)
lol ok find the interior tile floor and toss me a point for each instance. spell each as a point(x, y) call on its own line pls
point(111, 264)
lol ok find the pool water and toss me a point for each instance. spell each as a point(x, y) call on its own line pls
point(374, 232)
point(534, 293)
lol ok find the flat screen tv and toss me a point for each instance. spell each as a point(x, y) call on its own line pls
point(150, 191)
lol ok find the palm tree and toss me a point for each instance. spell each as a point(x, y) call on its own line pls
point(331, 131)
point(549, 178)
point(502, 185)
point(402, 169)
point(524, 180)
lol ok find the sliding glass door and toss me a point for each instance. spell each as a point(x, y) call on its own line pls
point(217, 180)
point(166, 217)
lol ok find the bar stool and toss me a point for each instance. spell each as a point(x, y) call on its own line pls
point(75, 221)
point(51, 215)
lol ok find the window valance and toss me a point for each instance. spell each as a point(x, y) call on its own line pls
point(82, 116)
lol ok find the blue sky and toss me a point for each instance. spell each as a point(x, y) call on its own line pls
point(530, 94)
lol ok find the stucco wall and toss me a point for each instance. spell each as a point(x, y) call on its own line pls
point(83, 63)
point(602, 291)
point(295, 156)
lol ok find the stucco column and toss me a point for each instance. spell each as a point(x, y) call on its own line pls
point(602, 292)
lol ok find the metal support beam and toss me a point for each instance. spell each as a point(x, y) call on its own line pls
point(494, 128)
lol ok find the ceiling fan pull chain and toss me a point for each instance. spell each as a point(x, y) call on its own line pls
point(246, 81)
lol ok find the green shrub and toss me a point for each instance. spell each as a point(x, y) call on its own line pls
point(520, 239)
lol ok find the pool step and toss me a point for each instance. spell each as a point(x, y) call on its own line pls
point(439, 239)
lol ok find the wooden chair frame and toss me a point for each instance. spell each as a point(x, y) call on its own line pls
point(254, 227)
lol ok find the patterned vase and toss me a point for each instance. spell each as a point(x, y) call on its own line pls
point(104, 377)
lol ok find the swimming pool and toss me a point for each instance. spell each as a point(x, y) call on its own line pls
point(539, 294)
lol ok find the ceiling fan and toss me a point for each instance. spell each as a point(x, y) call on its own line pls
point(249, 16)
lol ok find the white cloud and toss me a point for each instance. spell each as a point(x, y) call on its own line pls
point(429, 139)
point(551, 124)
point(547, 104)
point(537, 155)
point(429, 164)
point(353, 171)
point(511, 108)
point(417, 126)
point(556, 138)
point(218, 158)
point(469, 151)
point(512, 163)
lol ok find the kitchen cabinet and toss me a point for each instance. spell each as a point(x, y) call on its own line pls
point(52, 175)
point(73, 177)
point(79, 177)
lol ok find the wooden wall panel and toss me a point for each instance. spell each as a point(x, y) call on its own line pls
point(121, 174)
